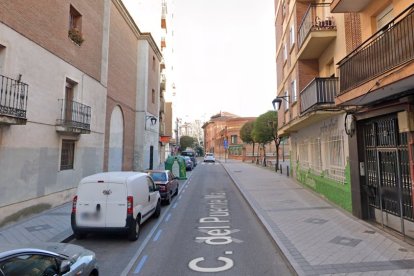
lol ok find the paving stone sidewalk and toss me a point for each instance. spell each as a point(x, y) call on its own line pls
point(317, 237)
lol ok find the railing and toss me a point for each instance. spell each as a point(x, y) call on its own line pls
point(13, 97)
point(314, 21)
point(317, 92)
point(386, 49)
point(74, 115)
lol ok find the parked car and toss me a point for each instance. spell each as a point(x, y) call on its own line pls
point(209, 157)
point(47, 259)
point(167, 183)
point(114, 201)
point(188, 163)
point(190, 154)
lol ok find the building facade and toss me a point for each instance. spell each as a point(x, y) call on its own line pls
point(377, 89)
point(309, 43)
point(75, 97)
point(53, 100)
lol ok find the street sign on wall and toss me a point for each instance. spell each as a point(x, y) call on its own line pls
point(226, 144)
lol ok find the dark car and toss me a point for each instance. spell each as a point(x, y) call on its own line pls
point(47, 259)
point(167, 183)
point(192, 155)
point(189, 165)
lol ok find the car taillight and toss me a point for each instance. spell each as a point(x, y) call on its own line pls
point(75, 200)
point(130, 203)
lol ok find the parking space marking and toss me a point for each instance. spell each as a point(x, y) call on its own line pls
point(140, 264)
point(180, 197)
point(168, 217)
point(175, 205)
point(157, 236)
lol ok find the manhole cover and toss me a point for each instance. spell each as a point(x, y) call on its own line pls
point(403, 250)
point(369, 232)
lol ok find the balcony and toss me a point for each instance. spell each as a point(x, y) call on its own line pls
point(317, 30)
point(346, 6)
point(13, 101)
point(387, 49)
point(74, 118)
point(319, 94)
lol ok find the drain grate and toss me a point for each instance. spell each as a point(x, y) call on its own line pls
point(369, 232)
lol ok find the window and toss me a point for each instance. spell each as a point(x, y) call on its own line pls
point(286, 100)
point(67, 155)
point(153, 96)
point(294, 91)
point(233, 139)
point(283, 9)
point(153, 63)
point(151, 186)
point(68, 104)
point(292, 35)
point(384, 17)
point(2, 58)
point(30, 264)
point(75, 26)
point(284, 52)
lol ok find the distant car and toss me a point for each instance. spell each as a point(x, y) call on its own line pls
point(167, 183)
point(209, 157)
point(190, 154)
point(47, 259)
point(189, 165)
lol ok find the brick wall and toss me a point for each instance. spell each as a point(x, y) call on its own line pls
point(353, 36)
point(122, 74)
point(46, 22)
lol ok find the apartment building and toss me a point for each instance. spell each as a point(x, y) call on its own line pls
point(377, 89)
point(310, 41)
point(52, 101)
point(77, 97)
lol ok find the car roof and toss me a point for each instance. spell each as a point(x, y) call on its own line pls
point(115, 177)
point(14, 249)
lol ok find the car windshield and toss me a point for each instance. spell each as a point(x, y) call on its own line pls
point(186, 153)
point(209, 154)
point(158, 176)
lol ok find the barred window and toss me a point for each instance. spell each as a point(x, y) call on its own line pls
point(303, 155)
point(334, 156)
point(316, 159)
point(67, 155)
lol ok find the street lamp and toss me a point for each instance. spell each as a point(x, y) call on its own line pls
point(278, 101)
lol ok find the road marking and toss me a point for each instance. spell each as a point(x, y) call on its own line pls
point(180, 197)
point(157, 236)
point(168, 217)
point(175, 205)
point(141, 264)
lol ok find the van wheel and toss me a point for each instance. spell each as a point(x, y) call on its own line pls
point(157, 212)
point(79, 235)
point(133, 233)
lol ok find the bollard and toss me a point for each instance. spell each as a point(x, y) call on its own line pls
point(281, 172)
point(287, 171)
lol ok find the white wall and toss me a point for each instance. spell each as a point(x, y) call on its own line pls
point(30, 154)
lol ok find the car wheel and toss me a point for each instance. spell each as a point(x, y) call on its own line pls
point(157, 212)
point(168, 199)
point(176, 191)
point(133, 233)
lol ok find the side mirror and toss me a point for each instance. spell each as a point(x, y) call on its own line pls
point(64, 267)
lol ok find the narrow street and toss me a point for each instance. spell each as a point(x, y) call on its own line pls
point(207, 228)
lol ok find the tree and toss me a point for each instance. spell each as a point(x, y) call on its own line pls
point(265, 131)
point(246, 134)
point(186, 142)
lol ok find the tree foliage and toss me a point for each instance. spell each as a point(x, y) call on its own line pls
point(186, 142)
point(265, 127)
point(246, 132)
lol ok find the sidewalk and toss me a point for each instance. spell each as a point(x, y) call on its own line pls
point(316, 237)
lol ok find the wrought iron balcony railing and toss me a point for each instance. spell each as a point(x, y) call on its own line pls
point(388, 48)
point(314, 21)
point(13, 98)
point(318, 94)
point(74, 116)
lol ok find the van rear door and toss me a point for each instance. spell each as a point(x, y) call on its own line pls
point(116, 205)
point(91, 204)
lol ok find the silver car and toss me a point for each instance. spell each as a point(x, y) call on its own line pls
point(47, 259)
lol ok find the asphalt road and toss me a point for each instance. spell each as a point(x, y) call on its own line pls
point(208, 228)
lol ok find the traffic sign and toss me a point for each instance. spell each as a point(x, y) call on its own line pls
point(226, 144)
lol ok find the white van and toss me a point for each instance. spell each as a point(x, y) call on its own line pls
point(114, 201)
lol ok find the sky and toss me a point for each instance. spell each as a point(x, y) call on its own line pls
point(224, 56)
